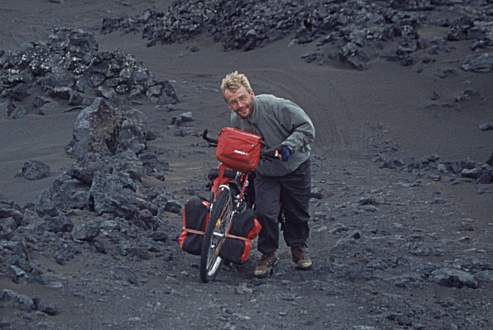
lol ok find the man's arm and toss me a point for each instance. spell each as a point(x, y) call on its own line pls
point(296, 121)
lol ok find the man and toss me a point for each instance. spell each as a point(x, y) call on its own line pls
point(286, 181)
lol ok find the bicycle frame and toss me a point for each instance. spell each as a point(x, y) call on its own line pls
point(240, 183)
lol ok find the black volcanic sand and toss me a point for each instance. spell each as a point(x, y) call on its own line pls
point(397, 243)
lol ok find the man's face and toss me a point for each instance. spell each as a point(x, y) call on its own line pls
point(240, 101)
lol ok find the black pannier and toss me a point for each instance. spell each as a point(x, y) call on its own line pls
point(195, 216)
point(238, 243)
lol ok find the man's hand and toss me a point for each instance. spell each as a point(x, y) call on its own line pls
point(283, 153)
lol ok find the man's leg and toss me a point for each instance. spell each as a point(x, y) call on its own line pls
point(267, 210)
point(295, 199)
point(267, 206)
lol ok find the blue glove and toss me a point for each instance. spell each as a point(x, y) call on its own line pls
point(285, 153)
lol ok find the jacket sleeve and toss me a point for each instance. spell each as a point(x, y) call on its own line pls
point(302, 132)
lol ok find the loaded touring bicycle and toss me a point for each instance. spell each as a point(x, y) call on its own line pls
point(223, 227)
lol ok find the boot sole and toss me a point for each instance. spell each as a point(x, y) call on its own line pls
point(300, 267)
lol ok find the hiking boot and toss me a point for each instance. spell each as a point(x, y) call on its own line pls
point(265, 265)
point(300, 258)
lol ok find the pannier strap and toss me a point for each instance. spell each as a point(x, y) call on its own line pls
point(237, 237)
point(193, 231)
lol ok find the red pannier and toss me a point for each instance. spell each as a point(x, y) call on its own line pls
point(238, 243)
point(195, 216)
point(238, 150)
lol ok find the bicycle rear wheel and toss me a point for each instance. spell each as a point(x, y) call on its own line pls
point(222, 213)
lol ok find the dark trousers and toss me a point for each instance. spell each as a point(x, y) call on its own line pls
point(285, 197)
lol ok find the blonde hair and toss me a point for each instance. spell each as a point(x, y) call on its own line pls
point(235, 80)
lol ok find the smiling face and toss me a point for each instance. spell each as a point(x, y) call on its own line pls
point(240, 101)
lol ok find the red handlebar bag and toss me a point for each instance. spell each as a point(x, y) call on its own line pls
point(238, 150)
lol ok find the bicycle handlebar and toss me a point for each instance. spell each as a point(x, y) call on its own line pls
point(212, 142)
point(270, 154)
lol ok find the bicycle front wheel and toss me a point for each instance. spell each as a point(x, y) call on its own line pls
point(221, 215)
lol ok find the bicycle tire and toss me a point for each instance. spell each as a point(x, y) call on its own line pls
point(210, 261)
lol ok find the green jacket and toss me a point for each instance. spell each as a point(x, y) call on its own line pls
point(279, 122)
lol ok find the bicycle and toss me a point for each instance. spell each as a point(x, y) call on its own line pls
point(230, 195)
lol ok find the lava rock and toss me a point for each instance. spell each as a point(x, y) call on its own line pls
point(478, 63)
point(454, 278)
point(13, 299)
point(96, 130)
point(34, 170)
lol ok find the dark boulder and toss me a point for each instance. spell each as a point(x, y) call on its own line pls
point(96, 130)
point(34, 170)
point(478, 63)
point(454, 278)
point(104, 130)
point(65, 193)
